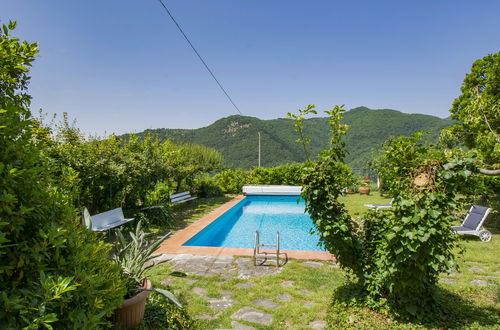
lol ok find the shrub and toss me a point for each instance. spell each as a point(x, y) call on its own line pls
point(51, 271)
point(208, 187)
point(232, 181)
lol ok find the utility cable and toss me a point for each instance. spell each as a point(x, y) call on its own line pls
point(199, 56)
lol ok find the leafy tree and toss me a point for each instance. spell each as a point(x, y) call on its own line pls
point(478, 110)
point(52, 272)
point(395, 255)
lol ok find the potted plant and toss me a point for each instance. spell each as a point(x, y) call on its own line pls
point(364, 189)
point(133, 256)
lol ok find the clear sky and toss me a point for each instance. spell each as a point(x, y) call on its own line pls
point(122, 66)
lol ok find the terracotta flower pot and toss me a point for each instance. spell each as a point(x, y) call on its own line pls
point(350, 191)
point(364, 190)
point(131, 313)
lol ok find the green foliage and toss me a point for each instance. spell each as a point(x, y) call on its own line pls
point(208, 187)
point(236, 137)
point(52, 273)
point(410, 244)
point(478, 110)
point(161, 315)
point(231, 181)
point(133, 256)
point(396, 254)
point(298, 123)
point(104, 173)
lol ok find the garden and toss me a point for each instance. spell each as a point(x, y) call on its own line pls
point(400, 267)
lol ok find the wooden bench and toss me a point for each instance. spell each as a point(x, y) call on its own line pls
point(181, 197)
point(106, 220)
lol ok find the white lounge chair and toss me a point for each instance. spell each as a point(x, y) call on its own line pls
point(473, 223)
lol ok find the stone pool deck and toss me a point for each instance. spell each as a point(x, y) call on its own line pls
point(256, 312)
point(174, 244)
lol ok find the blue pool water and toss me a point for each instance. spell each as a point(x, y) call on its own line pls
point(267, 214)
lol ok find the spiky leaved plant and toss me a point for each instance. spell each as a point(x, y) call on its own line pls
point(133, 256)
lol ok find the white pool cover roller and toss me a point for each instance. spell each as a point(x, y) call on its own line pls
point(271, 190)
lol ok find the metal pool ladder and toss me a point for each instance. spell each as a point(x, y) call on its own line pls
point(257, 253)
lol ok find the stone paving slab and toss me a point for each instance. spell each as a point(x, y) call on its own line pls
point(239, 326)
point(479, 282)
point(284, 297)
point(314, 264)
point(225, 266)
point(266, 303)
point(317, 324)
point(253, 315)
point(287, 284)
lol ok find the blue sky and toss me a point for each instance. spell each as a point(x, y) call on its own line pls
point(122, 66)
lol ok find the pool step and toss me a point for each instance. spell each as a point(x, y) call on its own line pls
point(266, 255)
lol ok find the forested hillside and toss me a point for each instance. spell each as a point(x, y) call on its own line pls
point(236, 137)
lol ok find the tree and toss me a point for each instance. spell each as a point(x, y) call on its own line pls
point(478, 110)
point(52, 272)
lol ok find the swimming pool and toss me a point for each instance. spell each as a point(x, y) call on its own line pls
point(267, 214)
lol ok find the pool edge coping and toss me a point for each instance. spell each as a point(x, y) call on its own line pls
point(174, 244)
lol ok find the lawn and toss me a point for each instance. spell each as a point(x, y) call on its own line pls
point(300, 295)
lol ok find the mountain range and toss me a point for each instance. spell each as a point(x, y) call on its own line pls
point(236, 137)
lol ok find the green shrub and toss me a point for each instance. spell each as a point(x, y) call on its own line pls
point(161, 314)
point(52, 272)
point(208, 187)
point(232, 181)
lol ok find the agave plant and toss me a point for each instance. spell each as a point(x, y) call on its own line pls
point(133, 256)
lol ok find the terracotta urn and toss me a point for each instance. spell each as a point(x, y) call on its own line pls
point(131, 313)
point(350, 191)
point(364, 190)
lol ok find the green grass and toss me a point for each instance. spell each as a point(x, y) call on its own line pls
point(355, 204)
point(468, 306)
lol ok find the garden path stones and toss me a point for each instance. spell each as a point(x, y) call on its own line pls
point(317, 324)
point(309, 304)
point(246, 269)
point(224, 266)
point(253, 315)
point(239, 326)
point(476, 269)
point(314, 264)
point(448, 280)
point(284, 297)
point(479, 282)
point(305, 292)
point(287, 284)
point(220, 303)
point(266, 303)
point(202, 292)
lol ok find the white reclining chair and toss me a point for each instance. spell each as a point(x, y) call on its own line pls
point(473, 223)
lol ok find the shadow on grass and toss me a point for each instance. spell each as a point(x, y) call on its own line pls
point(453, 311)
point(186, 213)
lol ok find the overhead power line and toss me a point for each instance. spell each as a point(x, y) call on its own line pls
point(199, 56)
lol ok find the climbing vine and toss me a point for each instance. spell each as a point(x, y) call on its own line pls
point(395, 255)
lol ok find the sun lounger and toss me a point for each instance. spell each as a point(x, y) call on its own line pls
point(473, 223)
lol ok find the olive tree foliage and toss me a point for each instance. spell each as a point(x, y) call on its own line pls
point(478, 111)
point(394, 256)
point(52, 272)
